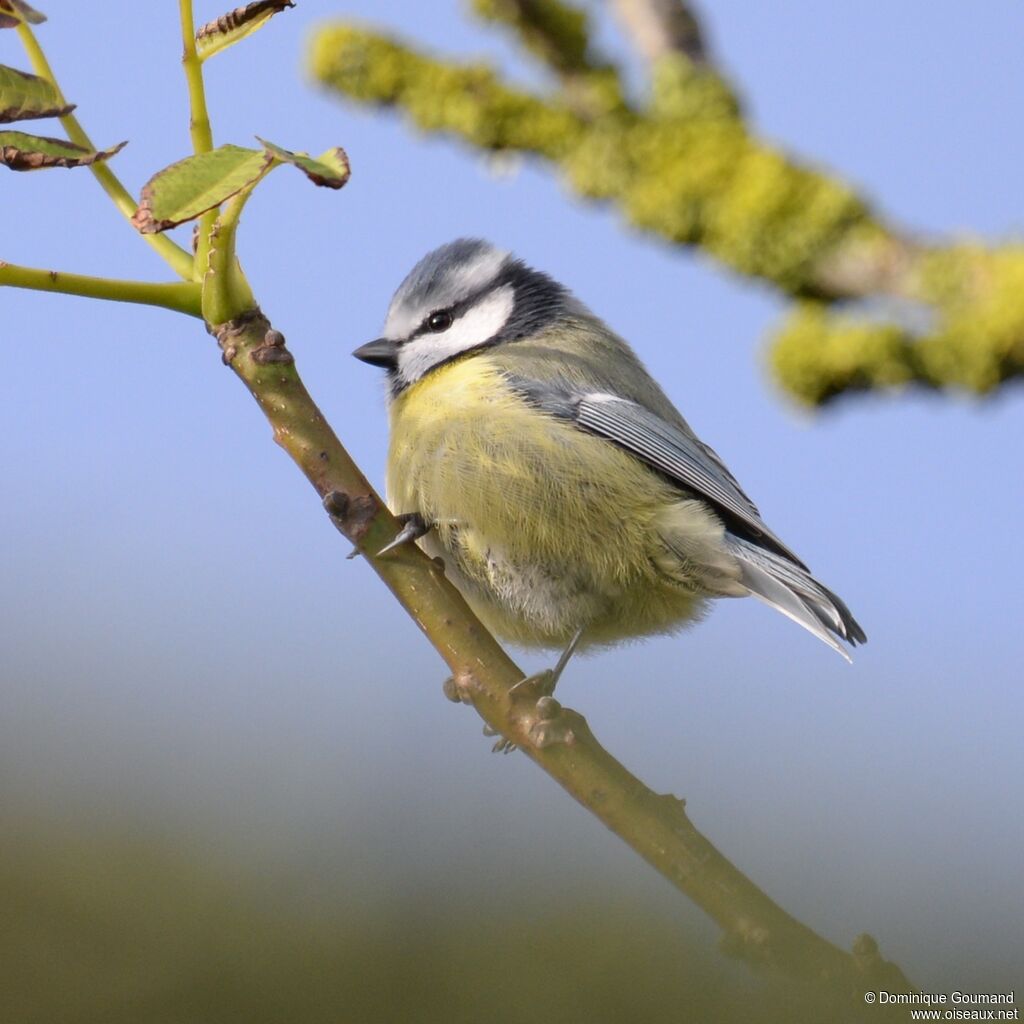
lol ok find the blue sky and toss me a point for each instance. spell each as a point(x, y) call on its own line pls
point(183, 642)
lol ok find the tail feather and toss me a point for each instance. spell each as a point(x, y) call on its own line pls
point(791, 590)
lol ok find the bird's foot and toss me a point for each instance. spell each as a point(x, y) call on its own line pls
point(539, 685)
point(414, 526)
point(501, 744)
point(551, 727)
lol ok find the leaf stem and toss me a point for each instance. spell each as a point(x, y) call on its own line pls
point(180, 296)
point(175, 257)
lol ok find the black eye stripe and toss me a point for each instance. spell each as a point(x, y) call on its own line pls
point(457, 309)
point(544, 290)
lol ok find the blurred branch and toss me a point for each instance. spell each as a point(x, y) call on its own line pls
point(686, 167)
point(662, 27)
point(552, 31)
point(558, 35)
point(972, 302)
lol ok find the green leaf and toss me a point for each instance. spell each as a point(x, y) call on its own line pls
point(23, 152)
point(24, 96)
point(330, 169)
point(192, 186)
point(14, 12)
point(229, 28)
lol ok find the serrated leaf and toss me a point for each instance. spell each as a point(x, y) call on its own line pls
point(229, 28)
point(23, 152)
point(24, 97)
point(192, 186)
point(329, 170)
point(14, 12)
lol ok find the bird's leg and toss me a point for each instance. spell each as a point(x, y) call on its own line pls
point(547, 730)
point(546, 681)
point(556, 672)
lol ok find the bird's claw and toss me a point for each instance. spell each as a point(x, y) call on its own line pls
point(542, 683)
point(414, 526)
point(551, 727)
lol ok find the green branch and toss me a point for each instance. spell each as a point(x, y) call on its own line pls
point(199, 126)
point(199, 120)
point(226, 291)
point(181, 296)
point(687, 168)
point(175, 257)
point(556, 738)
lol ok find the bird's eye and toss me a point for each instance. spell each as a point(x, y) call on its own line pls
point(439, 321)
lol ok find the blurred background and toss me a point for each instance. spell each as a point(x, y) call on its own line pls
point(231, 786)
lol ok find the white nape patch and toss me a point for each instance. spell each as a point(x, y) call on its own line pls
point(475, 327)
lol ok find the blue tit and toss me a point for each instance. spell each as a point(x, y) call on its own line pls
point(570, 501)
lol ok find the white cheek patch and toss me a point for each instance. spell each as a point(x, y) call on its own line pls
point(475, 327)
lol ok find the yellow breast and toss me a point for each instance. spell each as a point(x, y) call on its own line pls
point(540, 523)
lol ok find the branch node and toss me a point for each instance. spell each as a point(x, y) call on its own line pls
point(351, 514)
point(548, 734)
point(272, 350)
point(451, 690)
point(875, 969)
point(336, 504)
point(548, 709)
point(233, 329)
point(267, 354)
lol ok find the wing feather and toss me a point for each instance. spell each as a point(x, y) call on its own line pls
point(680, 456)
point(769, 569)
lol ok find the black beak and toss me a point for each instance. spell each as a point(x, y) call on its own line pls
point(378, 353)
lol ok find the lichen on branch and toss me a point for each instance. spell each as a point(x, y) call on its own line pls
point(682, 163)
point(685, 169)
point(466, 100)
point(975, 342)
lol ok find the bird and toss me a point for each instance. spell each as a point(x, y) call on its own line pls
point(571, 503)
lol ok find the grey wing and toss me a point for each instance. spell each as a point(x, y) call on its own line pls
point(678, 454)
point(770, 570)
